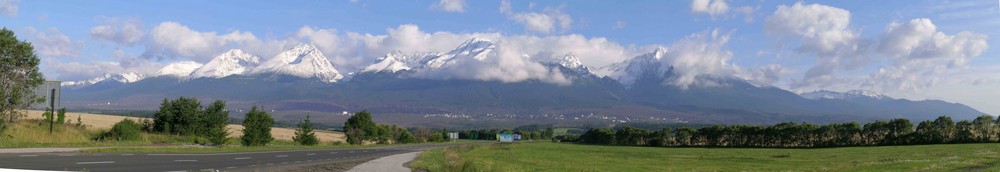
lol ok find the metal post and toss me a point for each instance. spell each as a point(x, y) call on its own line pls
point(52, 107)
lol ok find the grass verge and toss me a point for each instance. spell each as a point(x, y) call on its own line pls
point(576, 157)
point(276, 145)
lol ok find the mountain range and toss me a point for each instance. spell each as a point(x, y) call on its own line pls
point(301, 79)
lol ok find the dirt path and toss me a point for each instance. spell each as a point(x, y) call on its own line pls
point(388, 163)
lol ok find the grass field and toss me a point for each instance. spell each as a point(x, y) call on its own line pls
point(576, 157)
point(98, 121)
point(31, 131)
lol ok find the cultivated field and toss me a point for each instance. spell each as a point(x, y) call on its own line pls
point(576, 157)
point(98, 121)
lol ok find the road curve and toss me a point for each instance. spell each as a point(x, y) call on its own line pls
point(236, 161)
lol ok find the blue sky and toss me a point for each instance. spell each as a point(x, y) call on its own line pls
point(796, 45)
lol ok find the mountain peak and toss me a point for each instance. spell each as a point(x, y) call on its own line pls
point(475, 48)
point(233, 62)
point(304, 60)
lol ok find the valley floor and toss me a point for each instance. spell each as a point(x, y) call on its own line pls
point(577, 157)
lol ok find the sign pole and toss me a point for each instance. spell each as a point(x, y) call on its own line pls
point(52, 109)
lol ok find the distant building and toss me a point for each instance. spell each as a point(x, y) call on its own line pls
point(44, 91)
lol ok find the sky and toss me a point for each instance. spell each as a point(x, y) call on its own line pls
point(914, 49)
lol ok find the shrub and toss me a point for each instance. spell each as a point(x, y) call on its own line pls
point(61, 116)
point(123, 131)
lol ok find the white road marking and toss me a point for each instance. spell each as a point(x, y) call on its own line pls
point(311, 154)
point(282, 156)
point(27, 155)
point(185, 160)
point(230, 167)
point(98, 162)
point(242, 158)
point(67, 155)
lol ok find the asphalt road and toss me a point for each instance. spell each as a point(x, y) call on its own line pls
point(237, 161)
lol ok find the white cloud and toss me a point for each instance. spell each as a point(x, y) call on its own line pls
point(123, 63)
point(453, 6)
point(546, 21)
point(507, 64)
point(714, 8)
point(118, 30)
point(821, 28)
point(699, 54)
point(921, 55)
point(505, 7)
point(52, 43)
point(9, 7)
point(171, 39)
point(823, 31)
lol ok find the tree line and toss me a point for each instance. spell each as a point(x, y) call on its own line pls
point(984, 129)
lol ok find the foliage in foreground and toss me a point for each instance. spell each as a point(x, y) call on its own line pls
point(795, 135)
point(126, 130)
point(546, 156)
point(19, 76)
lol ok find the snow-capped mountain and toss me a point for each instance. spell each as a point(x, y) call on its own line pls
point(569, 61)
point(475, 48)
point(853, 94)
point(304, 61)
point(118, 78)
point(178, 69)
point(399, 61)
point(628, 71)
point(233, 62)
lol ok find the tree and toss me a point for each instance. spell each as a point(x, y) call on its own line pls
point(61, 116)
point(360, 127)
point(182, 116)
point(631, 136)
point(257, 128)
point(215, 119)
point(18, 77)
point(602, 136)
point(305, 135)
point(549, 133)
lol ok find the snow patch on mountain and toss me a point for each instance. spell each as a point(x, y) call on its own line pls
point(233, 62)
point(853, 94)
point(178, 69)
point(305, 61)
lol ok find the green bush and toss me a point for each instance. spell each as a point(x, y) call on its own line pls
point(61, 116)
point(123, 131)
